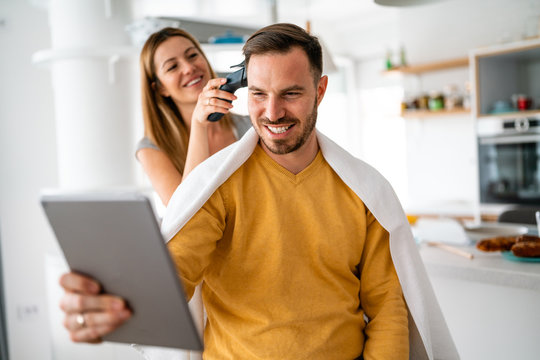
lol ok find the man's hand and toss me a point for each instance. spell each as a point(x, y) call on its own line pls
point(89, 314)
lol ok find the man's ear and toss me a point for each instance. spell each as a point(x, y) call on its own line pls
point(321, 88)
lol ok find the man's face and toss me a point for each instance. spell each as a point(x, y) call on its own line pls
point(283, 99)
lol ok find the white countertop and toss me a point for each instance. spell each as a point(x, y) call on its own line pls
point(485, 267)
point(457, 209)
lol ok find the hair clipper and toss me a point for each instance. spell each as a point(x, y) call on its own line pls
point(235, 81)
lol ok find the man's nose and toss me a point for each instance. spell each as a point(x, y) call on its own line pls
point(274, 109)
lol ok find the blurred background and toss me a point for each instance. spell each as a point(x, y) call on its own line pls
point(70, 113)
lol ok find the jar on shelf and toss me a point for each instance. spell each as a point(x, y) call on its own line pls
point(409, 103)
point(467, 96)
point(423, 101)
point(452, 99)
point(402, 56)
point(524, 102)
point(388, 60)
point(436, 101)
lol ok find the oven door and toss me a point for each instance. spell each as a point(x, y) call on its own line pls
point(509, 169)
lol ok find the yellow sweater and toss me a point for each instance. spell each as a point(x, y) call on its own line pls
point(291, 263)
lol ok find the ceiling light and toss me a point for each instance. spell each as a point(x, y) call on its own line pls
point(403, 3)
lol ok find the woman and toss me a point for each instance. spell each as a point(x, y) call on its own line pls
point(179, 92)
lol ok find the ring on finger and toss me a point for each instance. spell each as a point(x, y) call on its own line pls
point(81, 321)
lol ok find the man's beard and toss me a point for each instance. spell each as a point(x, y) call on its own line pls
point(281, 147)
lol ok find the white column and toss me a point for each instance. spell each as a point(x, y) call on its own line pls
point(95, 89)
point(94, 76)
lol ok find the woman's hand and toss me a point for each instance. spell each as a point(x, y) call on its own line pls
point(212, 100)
point(90, 315)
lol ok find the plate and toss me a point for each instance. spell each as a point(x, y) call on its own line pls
point(508, 255)
point(487, 230)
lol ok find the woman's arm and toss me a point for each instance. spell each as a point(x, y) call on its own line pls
point(161, 172)
point(164, 177)
point(210, 100)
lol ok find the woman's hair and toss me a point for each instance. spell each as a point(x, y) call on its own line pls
point(281, 38)
point(163, 123)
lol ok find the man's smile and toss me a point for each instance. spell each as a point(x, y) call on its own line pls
point(278, 129)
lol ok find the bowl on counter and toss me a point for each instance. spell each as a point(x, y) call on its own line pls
point(501, 106)
point(482, 231)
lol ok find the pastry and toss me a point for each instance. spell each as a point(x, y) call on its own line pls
point(527, 238)
point(502, 243)
point(526, 249)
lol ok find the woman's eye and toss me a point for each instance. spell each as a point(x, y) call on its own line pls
point(192, 56)
point(172, 67)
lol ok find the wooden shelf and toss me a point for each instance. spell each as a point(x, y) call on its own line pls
point(421, 114)
point(427, 67)
point(511, 115)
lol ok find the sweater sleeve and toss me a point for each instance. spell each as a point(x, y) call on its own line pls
point(193, 246)
point(387, 335)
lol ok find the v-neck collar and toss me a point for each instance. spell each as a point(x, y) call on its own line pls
point(294, 178)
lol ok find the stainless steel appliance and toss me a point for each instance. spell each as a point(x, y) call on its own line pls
point(509, 160)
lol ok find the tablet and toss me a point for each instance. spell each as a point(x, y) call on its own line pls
point(115, 238)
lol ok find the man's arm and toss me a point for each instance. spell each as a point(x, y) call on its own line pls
point(387, 335)
point(193, 246)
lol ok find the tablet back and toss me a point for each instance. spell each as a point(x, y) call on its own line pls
point(115, 238)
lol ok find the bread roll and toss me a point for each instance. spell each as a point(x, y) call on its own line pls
point(527, 238)
point(502, 243)
point(526, 249)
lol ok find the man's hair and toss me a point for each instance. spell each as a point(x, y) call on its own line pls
point(281, 38)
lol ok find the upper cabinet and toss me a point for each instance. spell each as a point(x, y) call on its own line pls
point(506, 80)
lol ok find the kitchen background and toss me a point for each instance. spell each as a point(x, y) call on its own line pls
point(57, 83)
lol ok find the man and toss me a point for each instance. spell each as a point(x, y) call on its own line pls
point(303, 251)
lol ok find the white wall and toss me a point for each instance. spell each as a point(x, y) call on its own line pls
point(28, 140)
point(27, 163)
point(439, 153)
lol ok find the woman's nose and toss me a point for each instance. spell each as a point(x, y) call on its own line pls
point(187, 67)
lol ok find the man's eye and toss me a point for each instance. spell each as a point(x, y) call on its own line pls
point(292, 94)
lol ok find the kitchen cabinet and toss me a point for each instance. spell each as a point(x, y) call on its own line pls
point(420, 70)
point(501, 75)
point(506, 109)
point(489, 303)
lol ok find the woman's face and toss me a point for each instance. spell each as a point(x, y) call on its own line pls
point(181, 69)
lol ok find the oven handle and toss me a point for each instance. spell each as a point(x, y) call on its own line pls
point(521, 139)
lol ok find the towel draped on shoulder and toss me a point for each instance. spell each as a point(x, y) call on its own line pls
point(428, 332)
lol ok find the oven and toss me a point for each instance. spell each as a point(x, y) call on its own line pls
point(509, 161)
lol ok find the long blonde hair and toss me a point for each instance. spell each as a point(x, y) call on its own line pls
point(163, 123)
